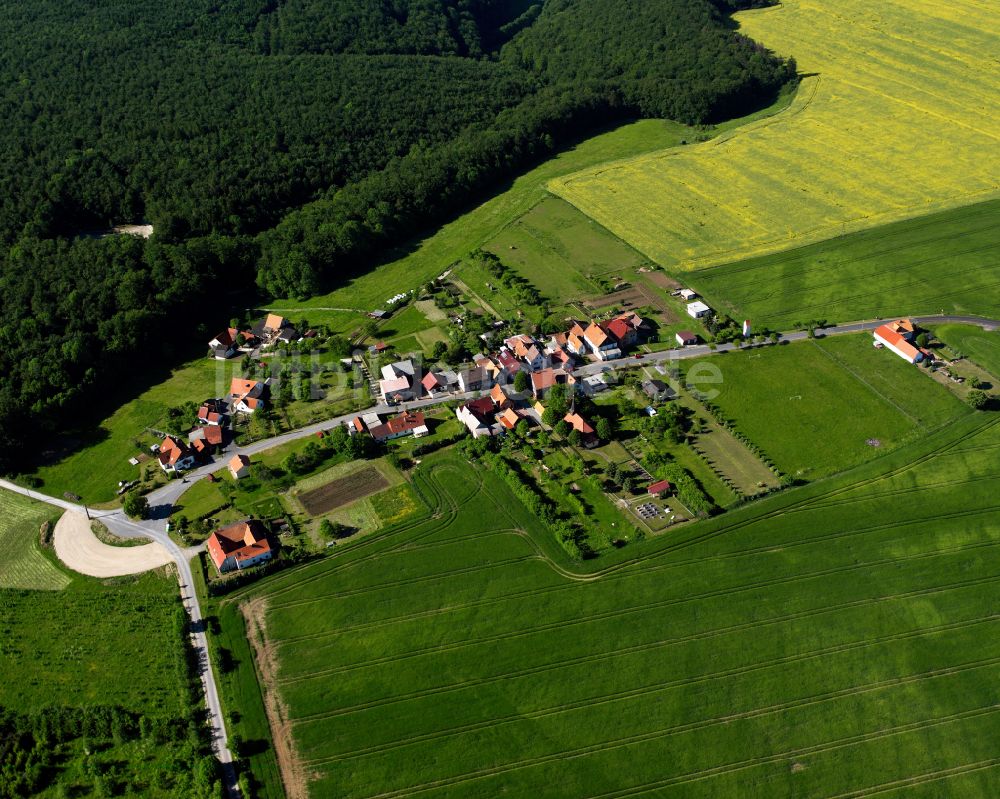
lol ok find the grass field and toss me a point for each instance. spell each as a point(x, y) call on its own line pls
point(837, 640)
point(898, 119)
point(23, 565)
point(814, 406)
point(974, 343)
point(560, 250)
point(943, 262)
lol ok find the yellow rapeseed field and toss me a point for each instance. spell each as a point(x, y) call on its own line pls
point(900, 116)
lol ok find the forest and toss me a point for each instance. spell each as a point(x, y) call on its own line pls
point(279, 148)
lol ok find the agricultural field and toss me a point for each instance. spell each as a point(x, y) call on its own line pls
point(897, 118)
point(831, 640)
point(974, 343)
point(819, 406)
point(342, 491)
point(562, 251)
point(940, 263)
point(23, 564)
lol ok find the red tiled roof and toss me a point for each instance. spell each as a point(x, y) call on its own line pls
point(659, 487)
point(237, 462)
point(618, 328)
point(430, 382)
point(577, 422)
point(890, 336)
point(595, 335)
point(243, 541)
point(213, 435)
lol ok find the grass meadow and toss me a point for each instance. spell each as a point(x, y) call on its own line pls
point(814, 406)
point(837, 639)
point(23, 564)
point(943, 262)
point(896, 119)
point(974, 343)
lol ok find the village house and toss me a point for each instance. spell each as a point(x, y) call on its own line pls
point(247, 395)
point(274, 328)
point(660, 488)
point(587, 435)
point(509, 418)
point(477, 416)
point(175, 455)
point(239, 546)
point(500, 397)
point(212, 412)
point(657, 390)
point(475, 378)
point(685, 338)
point(432, 384)
point(603, 346)
point(224, 345)
point(595, 384)
point(543, 381)
point(508, 363)
point(624, 333)
point(205, 439)
point(239, 466)
point(405, 424)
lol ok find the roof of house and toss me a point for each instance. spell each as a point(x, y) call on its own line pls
point(901, 326)
point(240, 387)
point(405, 421)
point(686, 335)
point(243, 541)
point(394, 385)
point(577, 422)
point(632, 319)
point(213, 435)
point(480, 408)
point(507, 360)
point(543, 379)
point(575, 342)
point(654, 386)
point(538, 408)
point(227, 337)
point(251, 402)
point(890, 336)
point(476, 374)
point(576, 330)
point(430, 381)
point(275, 322)
point(498, 395)
point(618, 328)
point(532, 354)
point(237, 462)
point(659, 487)
point(595, 335)
point(509, 418)
point(559, 339)
point(697, 307)
point(172, 450)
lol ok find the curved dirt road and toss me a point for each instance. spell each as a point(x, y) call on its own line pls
point(80, 549)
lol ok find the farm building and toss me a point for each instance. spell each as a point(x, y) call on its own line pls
point(660, 488)
point(687, 294)
point(896, 337)
point(239, 546)
point(239, 466)
point(698, 309)
point(685, 338)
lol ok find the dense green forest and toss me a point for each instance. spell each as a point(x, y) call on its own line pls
point(281, 146)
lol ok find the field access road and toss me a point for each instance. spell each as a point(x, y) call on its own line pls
point(703, 350)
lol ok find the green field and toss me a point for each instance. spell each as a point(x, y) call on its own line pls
point(895, 118)
point(974, 343)
point(944, 262)
point(833, 640)
point(560, 250)
point(23, 565)
point(813, 406)
point(92, 646)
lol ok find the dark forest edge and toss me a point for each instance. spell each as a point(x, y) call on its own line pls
point(341, 149)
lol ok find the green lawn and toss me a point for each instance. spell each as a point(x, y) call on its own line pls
point(834, 640)
point(945, 262)
point(974, 343)
point(559, 249)
point(813, 407)
point(23, 565)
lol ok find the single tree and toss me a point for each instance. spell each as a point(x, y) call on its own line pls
point(628, 485)
point(603, 429)
point(135, 505)
point(562, 428)
point(975, 382)
point(574, 437)
point(978, 399)
point(521, 382)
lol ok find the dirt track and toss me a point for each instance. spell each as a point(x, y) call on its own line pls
point(79, 549)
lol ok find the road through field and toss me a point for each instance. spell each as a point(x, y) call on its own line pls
point(78, 547)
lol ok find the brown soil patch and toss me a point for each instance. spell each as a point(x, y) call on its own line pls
point(635, 296)
point(663, 280)
point(342, 491)
point(293, 772)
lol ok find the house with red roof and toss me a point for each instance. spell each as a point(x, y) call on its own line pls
point(587, 435)
point(896, 336)
point(247, 395)
point(405, 424)
point(478, 417)
point(224, 345)
point(175, 456)
point(603, 346)
point(239, 546)
point(622, 332)
point(239, 466)
point(660, 488)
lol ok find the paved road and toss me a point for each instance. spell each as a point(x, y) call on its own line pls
point(702, 350)
point(162, 499)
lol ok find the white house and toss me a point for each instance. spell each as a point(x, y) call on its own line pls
point(601, 344)
point(698, 309)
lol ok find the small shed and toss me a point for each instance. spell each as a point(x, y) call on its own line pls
point(685, 338)
point(660, 488)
